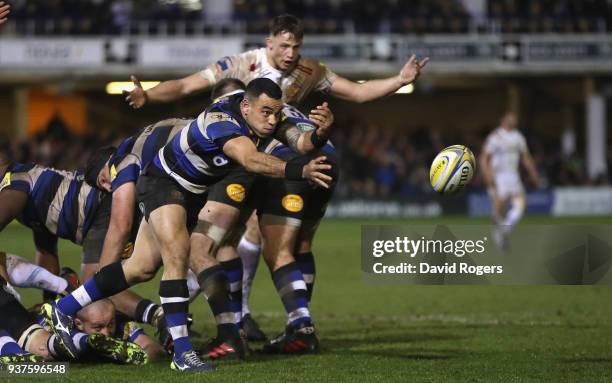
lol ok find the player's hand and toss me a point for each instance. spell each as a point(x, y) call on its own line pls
point(323, 117)
point(312, 172)
point(137, 97)
point(411, 70)
point(5, 9)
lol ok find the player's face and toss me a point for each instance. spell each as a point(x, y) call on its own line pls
point(284, 50)
point(262, 114)
point(104, 179)
point(510, 121)
point(97, 322)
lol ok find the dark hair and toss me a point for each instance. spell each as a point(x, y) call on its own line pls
point(287, 23)
point(96, 162)
point(225, 86)
point(262, 85)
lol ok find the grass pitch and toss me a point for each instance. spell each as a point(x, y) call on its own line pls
point(381, 333)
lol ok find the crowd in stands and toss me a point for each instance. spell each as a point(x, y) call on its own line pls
point(375, 163)
point(112, 17)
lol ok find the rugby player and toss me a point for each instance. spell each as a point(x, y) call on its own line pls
point(172, 191)
point(503, 150)
point(117, 171)
point(297, 76)
point(36, 344)
point(282, 205)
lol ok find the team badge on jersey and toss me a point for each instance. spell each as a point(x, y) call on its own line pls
point(236, 192)
point(6, 181)
point(293, 203)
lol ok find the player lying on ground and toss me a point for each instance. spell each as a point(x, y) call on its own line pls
point(503, 150)
point(172, 191)
point(36, 344)
point(99, 318)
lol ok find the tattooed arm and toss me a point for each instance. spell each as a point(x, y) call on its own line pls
point(302, 141)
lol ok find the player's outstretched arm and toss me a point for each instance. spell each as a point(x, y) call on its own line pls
point(375, 89)
point(242, 150)
point(5, 9)
point(166, 91)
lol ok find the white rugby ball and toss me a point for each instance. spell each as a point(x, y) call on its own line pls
point(452, 169)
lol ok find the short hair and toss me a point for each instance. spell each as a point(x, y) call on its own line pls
point(82, 314)
point(287, 23)
point(263, 85)
point(96, 162)
point(225, 86)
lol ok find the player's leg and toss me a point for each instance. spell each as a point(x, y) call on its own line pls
point(249, 250)
point(169, 211)
point(21, 336)
point(23, 273)
point(127, 302)
point(280, 218)
point(218, 281)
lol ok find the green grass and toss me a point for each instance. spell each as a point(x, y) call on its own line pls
point(399, 332)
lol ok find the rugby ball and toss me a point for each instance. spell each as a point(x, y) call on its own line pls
point(452, 169)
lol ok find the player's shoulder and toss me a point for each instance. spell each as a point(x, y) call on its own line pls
point(308, 65)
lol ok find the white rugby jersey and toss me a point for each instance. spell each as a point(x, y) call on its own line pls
point(505, 148)
point(306, 75)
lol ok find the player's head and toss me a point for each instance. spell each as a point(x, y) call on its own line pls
point(284, 41)
point(509, 121)
point(97, 318)
point(97, 173)
point(262, 105)
point(226, 86)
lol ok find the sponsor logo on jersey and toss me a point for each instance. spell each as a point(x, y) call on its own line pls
point(6, 181)
point(113, 173)
point(293, 203)
point(236, 192)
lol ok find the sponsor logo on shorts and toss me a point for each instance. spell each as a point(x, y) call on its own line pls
point(141, 206)
point(293, 203)
point(6, 181)
point(236, 192)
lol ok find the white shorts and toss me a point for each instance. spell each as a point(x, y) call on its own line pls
point(508, 185)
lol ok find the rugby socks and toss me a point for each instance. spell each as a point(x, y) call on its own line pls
point(214, 283)
point(80, 341)
point(8, 345)
point(233, 270)
point(306, 264)
point(514, 214)
point(146, 311)
point(174, 297)
point(107, 282)
point(291, 287)
point(249, 253)
point(22, 273)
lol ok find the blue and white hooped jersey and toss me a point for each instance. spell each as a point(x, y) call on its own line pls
point(60, 202)
point(194, 157)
